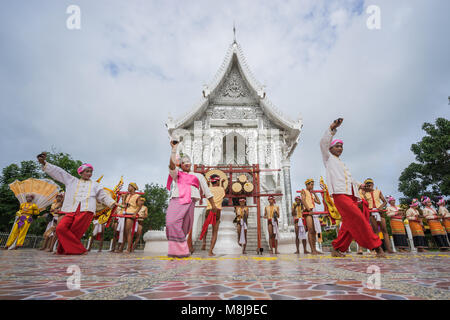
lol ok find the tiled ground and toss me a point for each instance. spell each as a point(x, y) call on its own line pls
point(33, 274)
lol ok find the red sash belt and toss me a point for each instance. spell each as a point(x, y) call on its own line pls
point(211, 219)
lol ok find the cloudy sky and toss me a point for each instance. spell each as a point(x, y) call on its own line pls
point(103, 93)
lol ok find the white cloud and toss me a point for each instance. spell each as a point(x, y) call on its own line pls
point(103, 93)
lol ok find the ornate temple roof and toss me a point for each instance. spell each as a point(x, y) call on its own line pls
point(235, 56)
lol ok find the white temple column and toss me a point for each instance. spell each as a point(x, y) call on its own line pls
point(229, 147)
point(286, 164)
point(252, 151)
point(187, 140)
point(198, 143)
point(206, 148)
point(262, 140)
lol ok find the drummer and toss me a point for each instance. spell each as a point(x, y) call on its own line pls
point(213, 216)
point(272, 214)
point(241, 220)
point(132, 208)
point(143, 214)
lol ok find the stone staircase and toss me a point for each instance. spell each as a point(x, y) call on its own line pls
point(252, 235)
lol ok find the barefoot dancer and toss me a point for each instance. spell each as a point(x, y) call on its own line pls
point(59, 218)
point(241, 221)
point(377, 202)
point(79, 204)
point(436, 228)
point(118, 227)
point(416, 225)
point(131, 207)
point(142, 214)
point(345, 195)
point(212, 217)
point(49, 233)
point(299, 225)
point(272, 213)
point(398, 228)
point(185, 191)
point(22, 224)
point(310, 200)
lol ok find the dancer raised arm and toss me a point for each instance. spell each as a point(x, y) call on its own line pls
point(345, 195)
point(185, 187)
point(79, 204)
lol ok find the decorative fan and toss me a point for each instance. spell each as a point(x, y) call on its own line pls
point(104, 213)
point(44, 191)
point(221, 174)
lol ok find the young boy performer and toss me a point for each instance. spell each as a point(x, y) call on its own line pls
point(131, 207)
point(309, 200)
point(398, 228)
point(184, 194)
point(49, 233)
point(213, 218)
point(142, 214)
point(299, 225)
point(22, 224)
point(376, 201)
point(445, 215)
point(436, 228)
point(241, 221)
point(416, 225)
point(345, 195)
point(272, 213)
point(79, 204)
point(59, 218)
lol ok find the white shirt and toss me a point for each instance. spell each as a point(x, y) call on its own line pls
point(339, 178)
point(195, 193)
point(412, 214)
point(86, 192)
point(392, 211)
point(429, 213)
point(444, 212)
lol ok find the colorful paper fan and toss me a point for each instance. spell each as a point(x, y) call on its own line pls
point(104, 213)
point(44, 191)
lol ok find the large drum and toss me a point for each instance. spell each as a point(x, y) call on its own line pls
point(248, 187)
point(242, 178)
point(236, 187)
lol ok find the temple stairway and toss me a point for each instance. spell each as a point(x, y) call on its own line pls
point(227, 237)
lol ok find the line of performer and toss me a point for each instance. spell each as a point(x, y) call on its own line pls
point(363, 210)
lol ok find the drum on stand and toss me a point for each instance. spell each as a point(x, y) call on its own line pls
point(236, 187)
point(248, 187)
point(242, 178)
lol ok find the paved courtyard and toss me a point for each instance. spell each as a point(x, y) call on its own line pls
point(32, 274)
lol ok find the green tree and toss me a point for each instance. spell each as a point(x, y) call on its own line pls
point(430, 175)
point(64, 161)
point(156, 200)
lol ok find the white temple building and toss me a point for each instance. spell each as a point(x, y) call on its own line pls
point(235, 123)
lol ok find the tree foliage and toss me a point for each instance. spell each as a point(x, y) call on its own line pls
point(156, 200)
point(28, 169)
point(430, 175)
